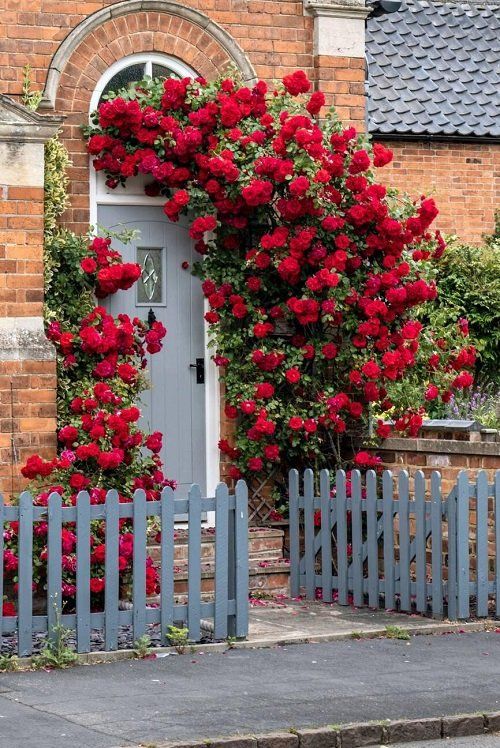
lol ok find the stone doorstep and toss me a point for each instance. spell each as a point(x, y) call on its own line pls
point(263, 543)
point(385, 732)
point(273, 578)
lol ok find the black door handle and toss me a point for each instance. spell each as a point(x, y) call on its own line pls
point(200, 370)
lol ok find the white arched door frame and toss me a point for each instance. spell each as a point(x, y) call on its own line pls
point(100, 195)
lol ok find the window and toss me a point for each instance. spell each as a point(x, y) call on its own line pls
point(135, 68)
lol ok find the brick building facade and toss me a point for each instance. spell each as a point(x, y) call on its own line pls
point(70, 46)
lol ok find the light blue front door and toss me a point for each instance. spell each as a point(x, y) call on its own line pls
point(175, 403)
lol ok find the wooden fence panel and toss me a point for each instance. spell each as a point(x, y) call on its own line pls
point(139, 564)
point(112, 588)
point(414, 552)
point(167, 548)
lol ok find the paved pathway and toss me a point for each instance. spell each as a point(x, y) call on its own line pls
point(245, 691)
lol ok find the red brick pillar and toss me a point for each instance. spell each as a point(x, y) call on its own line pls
point(27, 359)
point(339, 55)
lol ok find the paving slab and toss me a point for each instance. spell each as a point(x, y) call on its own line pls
point(299, 620)
point(203, 696)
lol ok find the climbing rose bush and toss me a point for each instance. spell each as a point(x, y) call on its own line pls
point(312, 270)
point(101, 362)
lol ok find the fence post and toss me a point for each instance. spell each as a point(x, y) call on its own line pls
point(139, 564)
point(326, 536)
point(357, 539)
point(194, 563)
point(83, 572)
point(387, 497)
point(420, 542)
point(482, 490)
point(112, 583)
point(167, 550)
point(451, 514)
point(54, 570)
point(404, 542)
point(293, 496)
point(371, 539)
point(463, 571)
point(437, 545)
point(221, 561)
point(241, 543)
point(309, 534)
point(342, 570)
point(25, 591)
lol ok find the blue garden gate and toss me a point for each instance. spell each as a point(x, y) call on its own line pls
point(228, 610)
point(374, 542)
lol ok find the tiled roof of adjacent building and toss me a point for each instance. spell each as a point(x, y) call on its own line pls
point(434, 68)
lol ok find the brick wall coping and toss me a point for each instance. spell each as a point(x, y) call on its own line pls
point(95, 20)
point(441, 446)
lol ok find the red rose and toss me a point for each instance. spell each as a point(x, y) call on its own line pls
point(432, 392)
point(315, 103)
point(154, 442)
point(247, 407)
point(293, 375)
point(264, 390)
point(96, 585)
point(88, 265)
point(295, 423)
point(255, 464)
point(381, 155)
point(297, 83)
point(272, 452)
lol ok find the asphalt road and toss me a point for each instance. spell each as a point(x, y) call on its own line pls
point(248, 691)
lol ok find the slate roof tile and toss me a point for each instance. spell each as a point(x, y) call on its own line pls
point(435, 67)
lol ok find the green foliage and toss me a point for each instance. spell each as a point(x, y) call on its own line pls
point(56, 653)
point(396, 632)
point(55, 185)
point(178, 638)
point(31, 99)
point(8, 663)
point(468, 280)
point(142, 646)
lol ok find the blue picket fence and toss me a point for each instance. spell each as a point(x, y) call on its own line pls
point(228, 610)
point(382, 545)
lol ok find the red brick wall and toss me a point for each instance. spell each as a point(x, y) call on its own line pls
point(464, 179)
point(21, 261)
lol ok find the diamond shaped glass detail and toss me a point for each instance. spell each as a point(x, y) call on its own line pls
point(150, 285)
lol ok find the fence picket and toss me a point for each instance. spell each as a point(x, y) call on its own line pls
point(167, 549)
point(451, 513)
point(482, 543)
point(388, 504)
point(496, 494)
point(342, 569)
point(463, 570)
point(437, 546)
point(420, 542)
point(371, 530)
point(25, 575)
point(357, 539)
point(194, 562)
point(293, 495)
point(83, 572)
point(54, 568)
point(139, 565)
point(404, 541)
point(221, 560)
point(241, 517)
point(326, 535)
point(309, 533)
point(112, 582)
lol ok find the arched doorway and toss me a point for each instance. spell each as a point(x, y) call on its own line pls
point(182, 401)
